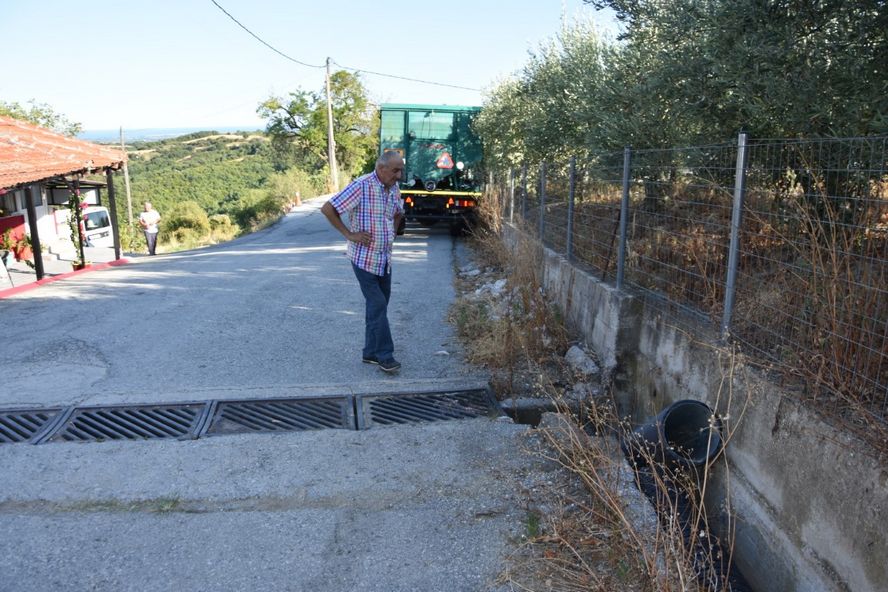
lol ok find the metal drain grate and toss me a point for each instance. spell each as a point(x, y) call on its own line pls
point(143, 422)
point(21, 426)
point(410, 408)
point(272, 415)
point(198, 418)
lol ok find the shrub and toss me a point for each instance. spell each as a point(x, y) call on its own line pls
point(221, 228)
point(285, 186)
point(131, 239)
point(187, 215)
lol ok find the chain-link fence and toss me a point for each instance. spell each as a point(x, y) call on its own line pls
point(780, 245)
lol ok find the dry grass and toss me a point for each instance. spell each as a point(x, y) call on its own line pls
point(592, 531)
point(811, 299)
point(820, 313)
point(518, 335)
point(601, 534)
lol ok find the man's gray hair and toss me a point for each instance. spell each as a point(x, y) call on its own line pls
point(387, 158)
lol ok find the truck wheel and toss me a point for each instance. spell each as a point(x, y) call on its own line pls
point(457, 228)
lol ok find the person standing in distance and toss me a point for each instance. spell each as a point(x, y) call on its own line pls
point(148, 221)
point(373, 203)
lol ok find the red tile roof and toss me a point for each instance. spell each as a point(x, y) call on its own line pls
point(29, 154)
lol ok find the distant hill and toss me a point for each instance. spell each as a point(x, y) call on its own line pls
point(112, 136)
point(213, 169)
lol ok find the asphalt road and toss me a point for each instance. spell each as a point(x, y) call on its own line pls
point(276, 310)
point(275, 314)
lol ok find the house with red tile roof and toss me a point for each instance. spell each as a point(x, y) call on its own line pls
point(39, 169)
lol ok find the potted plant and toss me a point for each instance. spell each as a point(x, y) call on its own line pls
point(19, 245)
point(24, 248)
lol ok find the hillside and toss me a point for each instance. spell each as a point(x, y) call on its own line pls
point(213, 170)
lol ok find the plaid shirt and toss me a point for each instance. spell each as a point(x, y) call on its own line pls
point(371, 208)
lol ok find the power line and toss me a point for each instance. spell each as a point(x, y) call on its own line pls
point(356, 70)
point(405, 78)
point(260, 40)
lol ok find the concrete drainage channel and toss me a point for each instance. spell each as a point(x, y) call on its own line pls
point(188, 421)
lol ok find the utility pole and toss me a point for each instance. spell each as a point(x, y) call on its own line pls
point(129, 197)
point(331, 145)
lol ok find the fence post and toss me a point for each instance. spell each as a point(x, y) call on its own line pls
point(542, 199)
point(624, 218)
point(570, 207)
point(511, 195)
point(524, 192)
point(734, 251)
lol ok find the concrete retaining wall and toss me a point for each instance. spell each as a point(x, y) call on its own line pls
point(811, 510)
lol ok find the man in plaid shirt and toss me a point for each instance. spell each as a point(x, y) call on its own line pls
point(373, 203)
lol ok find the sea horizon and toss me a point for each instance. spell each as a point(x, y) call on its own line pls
point(149, 134)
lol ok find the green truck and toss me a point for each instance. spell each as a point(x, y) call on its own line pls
point(442, 155)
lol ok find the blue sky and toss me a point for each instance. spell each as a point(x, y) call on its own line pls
point(184, 63)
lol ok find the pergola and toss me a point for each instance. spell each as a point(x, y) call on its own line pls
point(30, 155)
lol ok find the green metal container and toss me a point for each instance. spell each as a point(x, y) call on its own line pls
point(440, 148)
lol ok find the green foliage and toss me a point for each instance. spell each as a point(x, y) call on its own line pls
point(222, 228)
point(40, 114)
point(297, 125)
point(219, 221)
point(209, 187)
point(186, 215)
point(693, 71)
point(16, 244)
point(131, 238)
point(8, 242)
point(553, 105)
point(773, 68)
point(75, 208)
point(210, 169)
point(285, 186)
point(259, 209)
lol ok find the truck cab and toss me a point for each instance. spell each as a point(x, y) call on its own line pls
point(442, 158)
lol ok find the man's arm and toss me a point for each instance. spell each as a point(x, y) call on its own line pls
point(362, 238)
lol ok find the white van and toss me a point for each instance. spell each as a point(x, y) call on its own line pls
point(97, 227)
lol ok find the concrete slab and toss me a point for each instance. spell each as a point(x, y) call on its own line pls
point(432, 507)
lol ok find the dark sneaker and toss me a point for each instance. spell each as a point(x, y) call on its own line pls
point(390, 365)
point(369, 360)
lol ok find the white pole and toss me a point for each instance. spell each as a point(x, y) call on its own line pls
point(331, 145)
point(129, 197)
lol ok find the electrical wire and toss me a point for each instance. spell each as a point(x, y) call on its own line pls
point(405, 78)
point(262, 41)
point(356, 70)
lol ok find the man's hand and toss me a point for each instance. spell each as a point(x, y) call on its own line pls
point(361, 238)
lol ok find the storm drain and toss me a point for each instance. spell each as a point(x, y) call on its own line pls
point(421, 408)
point(144, 422)
point(210, 418)
point(274, 415)
point(21, 426)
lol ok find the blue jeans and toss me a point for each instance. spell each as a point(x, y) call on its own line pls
point(377, 336)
